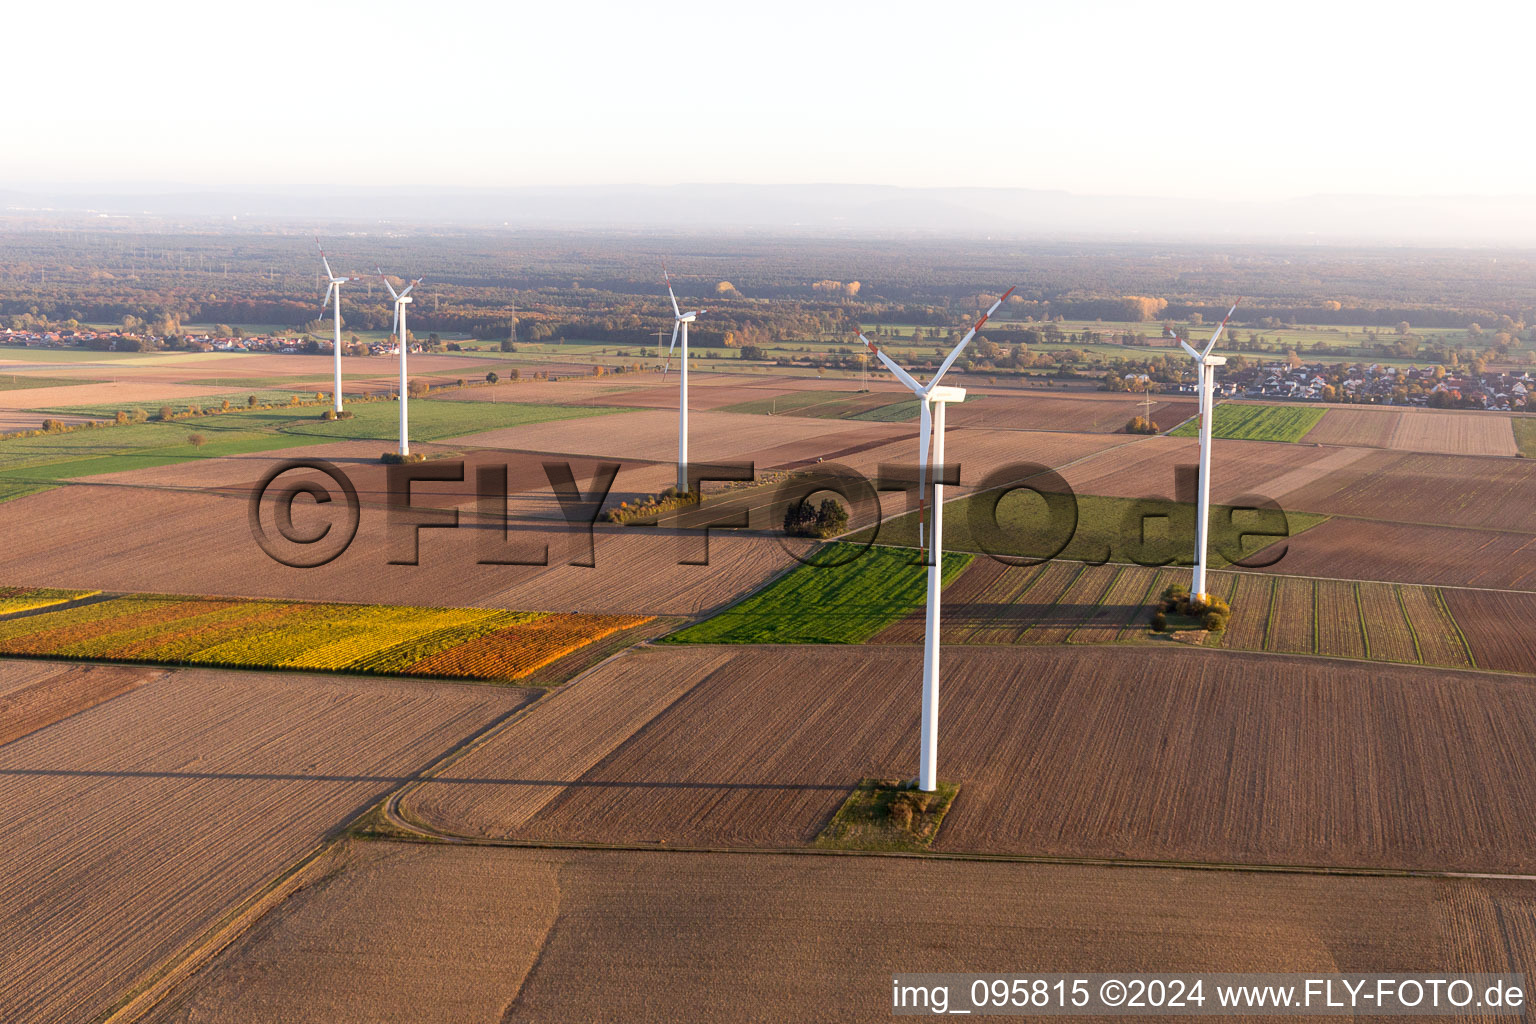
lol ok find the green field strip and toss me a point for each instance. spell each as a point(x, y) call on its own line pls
point(20, 382)
point(827, 603)
point(1525, 434)
point(1257, 422)
point(32, 464)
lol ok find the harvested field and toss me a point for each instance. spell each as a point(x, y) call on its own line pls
point(1290, 627)
point(1145, 469)
point(56, 539)
point(1062, 751)
point(1360, 426)
point(1056, 412)
point(1340, 631)
point(713, 437)
point(1445, 490)
point(450, 935)
point(33, 695)
point(127, 393)
point(134, 826)
point(476, 643)
point(1075, 605)
point(1123, 603)
point(1388, 634)
point(1497, 627)
point(1439, 638)
point(1357, 549)
point(1454, 433)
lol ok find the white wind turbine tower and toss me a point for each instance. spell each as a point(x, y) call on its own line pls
point(401, 300)
point(681, 321)
point(1205, 371)
point(933, 399)
point(335, 287)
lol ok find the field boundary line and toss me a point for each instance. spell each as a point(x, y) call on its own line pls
point(390, 803)
point(1466, 648)
point(1402, 609)
point(454, 839)
point(1365, 636)
point(180, 966)
point(1269, 615)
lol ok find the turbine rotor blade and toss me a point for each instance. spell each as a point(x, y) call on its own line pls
point(891, 364)
point(675, 310)
point(323, 259)
point(1187, 347)
point(677, 326)
point(1221, 326)
point(391, 287)
point(408, 287)
point(955, 354)
point(326, 301)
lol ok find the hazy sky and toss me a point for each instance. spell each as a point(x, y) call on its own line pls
point(1231, 100)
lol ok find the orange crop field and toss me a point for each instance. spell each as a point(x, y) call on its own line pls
point(474, 643)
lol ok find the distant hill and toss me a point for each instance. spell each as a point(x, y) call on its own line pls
point(827, 209)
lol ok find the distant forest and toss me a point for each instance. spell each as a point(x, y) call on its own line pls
point(759, 289)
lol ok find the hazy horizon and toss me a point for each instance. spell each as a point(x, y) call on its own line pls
point(849, 209)
point(1190, 101)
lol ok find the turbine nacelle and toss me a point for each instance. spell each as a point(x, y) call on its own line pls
point(944, 394)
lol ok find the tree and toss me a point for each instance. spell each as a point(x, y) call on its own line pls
point(492, 377)
point(1403, 328)
point(416, 388)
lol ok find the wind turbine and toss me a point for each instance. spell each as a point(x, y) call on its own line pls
point(1205, 370)
point(933, 399)
point(681, 321)
point(334, 287)
point(401, 300)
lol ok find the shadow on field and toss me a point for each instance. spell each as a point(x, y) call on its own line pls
point(105, 773)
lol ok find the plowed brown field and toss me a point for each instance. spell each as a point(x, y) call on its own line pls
point(1498, 627)
point(1367, 426)
point(132, 827)
point(59, 536)
point(438, 935)
point(37, 694)
point(1067, 751)
point(1445, 490)
point(1454, 433)
point(1357, 549)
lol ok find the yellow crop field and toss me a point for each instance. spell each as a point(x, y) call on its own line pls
point(24, 599)
point(478, 643)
